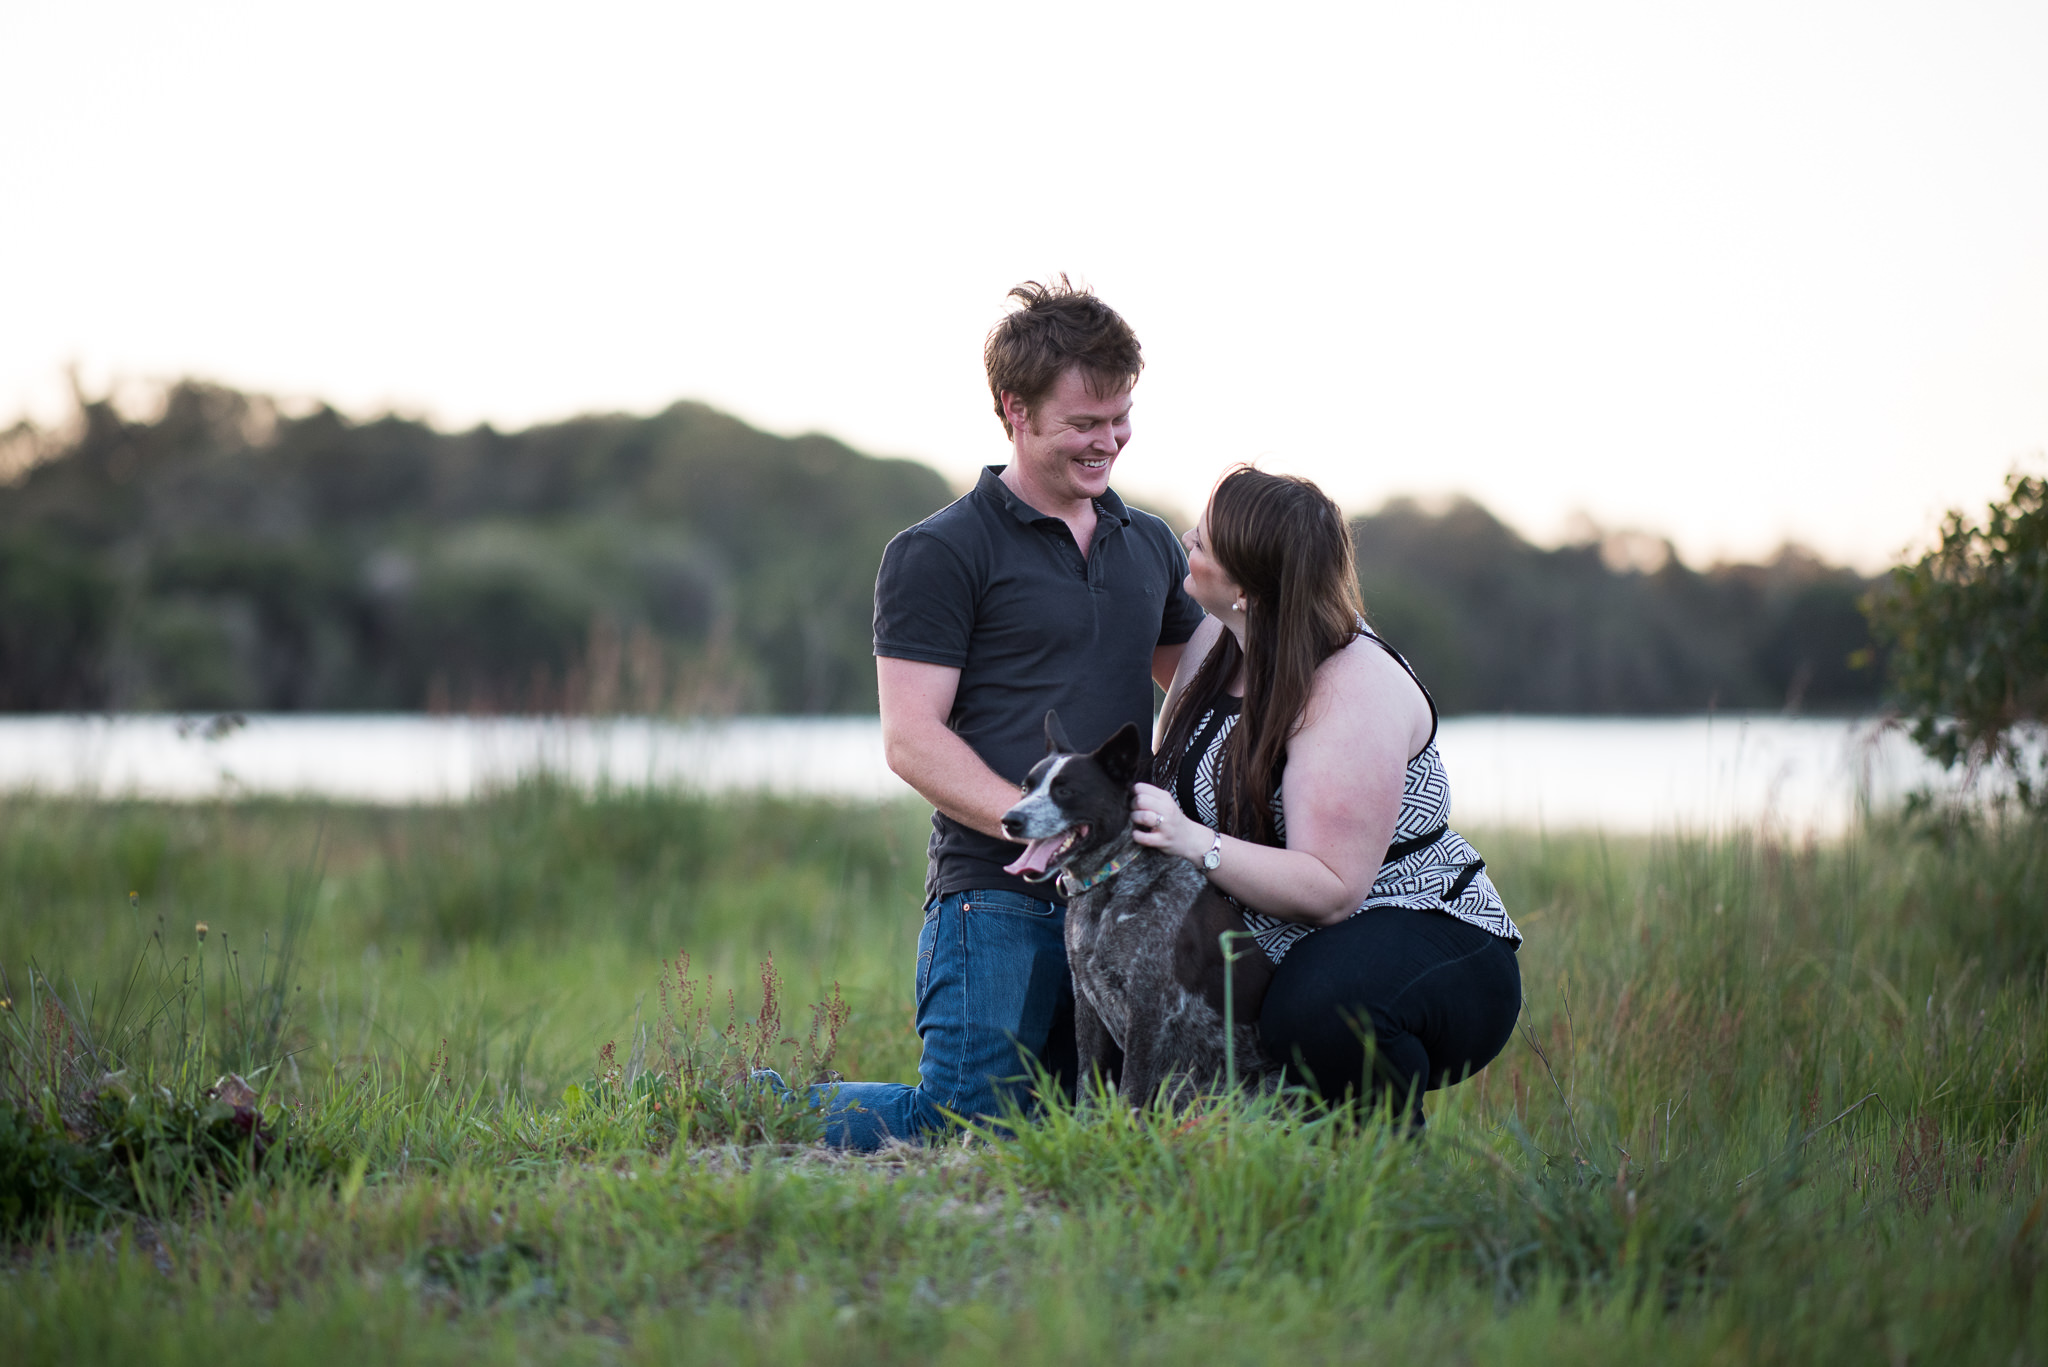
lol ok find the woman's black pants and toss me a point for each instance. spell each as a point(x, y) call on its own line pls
point(1390, 1004)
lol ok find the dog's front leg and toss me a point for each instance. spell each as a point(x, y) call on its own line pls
point(1093, 1046)
point(1142, 1062)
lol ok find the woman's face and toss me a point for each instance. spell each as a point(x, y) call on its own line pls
point(1206, 583)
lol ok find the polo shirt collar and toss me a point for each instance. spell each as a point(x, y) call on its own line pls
point(991, 485)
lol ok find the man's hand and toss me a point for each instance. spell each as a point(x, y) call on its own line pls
point(925, 753)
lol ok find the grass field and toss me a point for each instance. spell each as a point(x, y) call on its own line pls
point(1771, 1103)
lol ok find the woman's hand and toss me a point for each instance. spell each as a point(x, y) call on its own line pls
point(1158, 823)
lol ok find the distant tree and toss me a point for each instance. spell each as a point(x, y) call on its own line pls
point(1968, 628)
point(1611, 625)
point(222, 555)
point(56, 607)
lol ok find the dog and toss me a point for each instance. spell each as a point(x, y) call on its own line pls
point(1142, 929)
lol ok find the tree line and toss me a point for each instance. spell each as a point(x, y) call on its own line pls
point(1615, 624)
point(224, 555)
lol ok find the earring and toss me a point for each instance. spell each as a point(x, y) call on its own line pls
point(1238, 606)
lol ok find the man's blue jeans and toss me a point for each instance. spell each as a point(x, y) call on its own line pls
point(992, 990)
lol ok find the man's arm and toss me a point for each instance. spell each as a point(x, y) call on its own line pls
point(1182, 615)
point(1191, 656)
point(925, 753)
point(1165, 661)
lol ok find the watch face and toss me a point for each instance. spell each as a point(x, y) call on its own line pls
point(1212, 858)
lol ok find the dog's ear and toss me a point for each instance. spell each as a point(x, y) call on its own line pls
point(1056, 742)
point(1122, 756)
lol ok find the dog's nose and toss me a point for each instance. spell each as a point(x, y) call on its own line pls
point(1011, 825)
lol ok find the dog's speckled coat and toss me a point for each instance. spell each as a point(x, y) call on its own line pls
point(1142, 944)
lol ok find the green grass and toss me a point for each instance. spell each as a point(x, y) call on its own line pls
point(1772, 1102)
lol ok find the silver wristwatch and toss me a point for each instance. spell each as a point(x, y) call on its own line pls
point(1215, 854)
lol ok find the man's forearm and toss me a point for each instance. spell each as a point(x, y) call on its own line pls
point(948, 774)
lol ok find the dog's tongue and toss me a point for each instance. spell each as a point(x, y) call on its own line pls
point(1036, 857)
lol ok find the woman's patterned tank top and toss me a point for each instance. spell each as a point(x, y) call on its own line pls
point(1428, 866)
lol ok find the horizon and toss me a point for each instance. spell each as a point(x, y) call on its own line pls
point(1622, 548)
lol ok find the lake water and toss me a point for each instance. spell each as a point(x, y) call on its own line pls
point(1630, 775)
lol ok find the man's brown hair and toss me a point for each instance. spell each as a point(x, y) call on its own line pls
point(1055, 326)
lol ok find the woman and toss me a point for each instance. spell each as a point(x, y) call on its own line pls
point(1300, 751)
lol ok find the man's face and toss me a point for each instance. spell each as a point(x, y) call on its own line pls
point(1070, 438)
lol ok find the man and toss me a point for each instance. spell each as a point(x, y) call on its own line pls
point(1037, 590)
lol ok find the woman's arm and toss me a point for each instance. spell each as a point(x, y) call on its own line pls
point(1341, 794)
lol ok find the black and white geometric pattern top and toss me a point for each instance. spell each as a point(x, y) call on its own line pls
point(1428, 867)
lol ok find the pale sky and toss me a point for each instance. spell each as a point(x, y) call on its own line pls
point(1730, 272)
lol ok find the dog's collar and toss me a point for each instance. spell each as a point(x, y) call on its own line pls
point(1073, 886)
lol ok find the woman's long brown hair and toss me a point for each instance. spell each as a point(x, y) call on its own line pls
point(1286, 545)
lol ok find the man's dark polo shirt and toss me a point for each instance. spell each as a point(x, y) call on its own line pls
point(991, 587)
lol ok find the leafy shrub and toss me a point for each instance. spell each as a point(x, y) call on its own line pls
point(1968, 628)
point(42, 1169)
point(102, 1108)
point(140, 1152)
